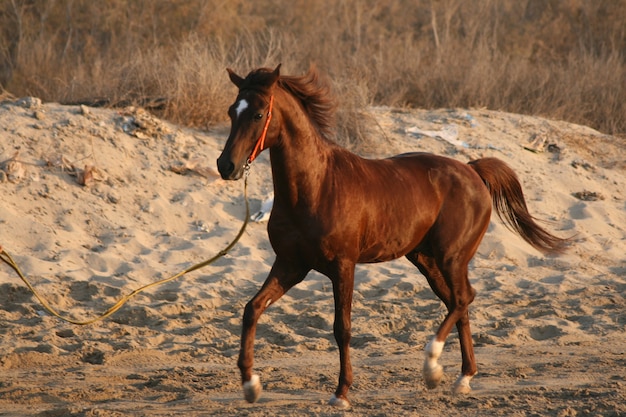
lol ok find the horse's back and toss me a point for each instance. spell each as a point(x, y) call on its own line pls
point(442, 172)
point(417, 195)
point(417, 182)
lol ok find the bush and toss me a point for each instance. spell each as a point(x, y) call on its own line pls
point(563, 60)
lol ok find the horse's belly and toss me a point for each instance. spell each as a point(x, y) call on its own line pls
point(389, 247)
point(382, 253)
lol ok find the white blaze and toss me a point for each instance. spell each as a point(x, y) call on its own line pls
point(241, 106)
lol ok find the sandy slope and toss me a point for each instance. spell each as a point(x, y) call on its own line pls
point(549, 331)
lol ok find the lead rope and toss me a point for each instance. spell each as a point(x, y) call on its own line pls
point(4, 255)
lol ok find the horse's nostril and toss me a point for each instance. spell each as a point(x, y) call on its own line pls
point(230, 168)
point(225, 168)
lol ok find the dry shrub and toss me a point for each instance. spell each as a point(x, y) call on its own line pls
point(558, 59)
point(196, 85)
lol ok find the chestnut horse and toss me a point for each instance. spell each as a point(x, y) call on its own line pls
point(333, 209)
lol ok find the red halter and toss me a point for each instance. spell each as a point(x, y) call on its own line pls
point(260, 143)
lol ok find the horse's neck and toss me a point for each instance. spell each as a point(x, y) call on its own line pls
point(300, 163)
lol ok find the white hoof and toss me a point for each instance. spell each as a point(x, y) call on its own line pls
point(339, 403)
point(252, 389)
point(433, 374)
point(462, 385)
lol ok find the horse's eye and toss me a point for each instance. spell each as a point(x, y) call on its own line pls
point(258, 116)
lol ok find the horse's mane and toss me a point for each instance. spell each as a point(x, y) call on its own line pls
point(315, 96)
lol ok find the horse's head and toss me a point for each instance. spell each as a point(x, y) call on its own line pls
point(250, 117)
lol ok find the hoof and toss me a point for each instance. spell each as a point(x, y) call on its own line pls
point(252, 389)
point(433, 375)
point(462, 385)
point(340, 403)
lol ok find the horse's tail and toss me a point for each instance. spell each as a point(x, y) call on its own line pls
point(508, 200)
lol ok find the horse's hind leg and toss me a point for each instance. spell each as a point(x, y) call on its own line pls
point(433, 371)
point(457, 300)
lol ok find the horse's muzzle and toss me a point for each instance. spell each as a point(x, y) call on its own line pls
point(228, 170)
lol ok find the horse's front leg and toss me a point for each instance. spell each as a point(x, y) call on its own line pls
point(282, 277)
point(343, 285)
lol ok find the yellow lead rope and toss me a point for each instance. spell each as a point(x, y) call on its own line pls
point(9, 261)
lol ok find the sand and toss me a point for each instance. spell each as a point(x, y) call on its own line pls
point(98, 202)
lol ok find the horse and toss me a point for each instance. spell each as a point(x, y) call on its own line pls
point(334, 209)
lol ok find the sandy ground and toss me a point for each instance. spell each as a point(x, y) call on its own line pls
point(549, 331)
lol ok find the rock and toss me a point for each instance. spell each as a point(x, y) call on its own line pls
point(29, 102)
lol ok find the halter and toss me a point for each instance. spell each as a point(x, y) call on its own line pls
point(260, 143)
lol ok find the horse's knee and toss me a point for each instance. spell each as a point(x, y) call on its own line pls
point(342, 337)
point(462, 301)
point(253, 309)
point(342, 332)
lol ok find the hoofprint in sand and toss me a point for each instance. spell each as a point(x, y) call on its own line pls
point(96, 203)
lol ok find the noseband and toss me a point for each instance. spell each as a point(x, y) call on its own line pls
point(260, 143)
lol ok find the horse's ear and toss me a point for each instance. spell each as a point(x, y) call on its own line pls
point(236, 79)
point(276, 73)
point(277, 70)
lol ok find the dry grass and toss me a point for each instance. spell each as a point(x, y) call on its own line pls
point(560, 59)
